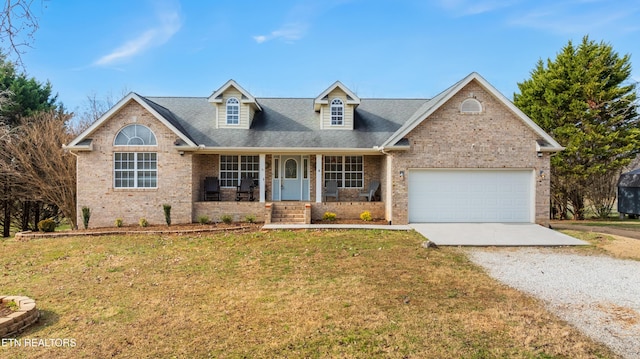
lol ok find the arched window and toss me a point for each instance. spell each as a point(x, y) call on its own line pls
point(135, 135)
point(291, 169)
point(471, 105)
point(233, 111)
point(337, 112)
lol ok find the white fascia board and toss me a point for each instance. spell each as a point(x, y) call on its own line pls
point(422, 114)
point(132, 96)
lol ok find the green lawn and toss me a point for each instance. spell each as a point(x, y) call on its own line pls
point(348, 294)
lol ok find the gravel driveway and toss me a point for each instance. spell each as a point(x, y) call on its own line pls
point(597, 294)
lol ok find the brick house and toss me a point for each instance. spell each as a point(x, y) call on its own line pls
point(466, 155)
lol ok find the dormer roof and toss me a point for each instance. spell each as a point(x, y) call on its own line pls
point(323, 98)
point(216, 97)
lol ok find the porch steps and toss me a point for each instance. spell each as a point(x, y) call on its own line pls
point(287, 213)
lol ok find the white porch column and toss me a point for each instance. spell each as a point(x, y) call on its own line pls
point(263, 171)
point(319, 184)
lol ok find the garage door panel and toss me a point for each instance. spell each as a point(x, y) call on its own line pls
point(470, 195)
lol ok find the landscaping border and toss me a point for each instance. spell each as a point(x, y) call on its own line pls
point(31, 235)
point(16, 322)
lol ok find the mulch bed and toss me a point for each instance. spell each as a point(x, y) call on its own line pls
point(153, 229)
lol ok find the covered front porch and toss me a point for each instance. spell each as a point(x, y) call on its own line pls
point(288, 183)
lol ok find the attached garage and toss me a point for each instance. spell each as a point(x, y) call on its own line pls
point(470, 195)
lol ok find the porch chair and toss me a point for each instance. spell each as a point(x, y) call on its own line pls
point(371, 192)
point(331, 190)
point(245, 189)
point(211, 189)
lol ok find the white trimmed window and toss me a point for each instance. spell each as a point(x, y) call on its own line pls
point(135, 170)
point(135, 135)
point(233, 111)
point(337, 112)
point(234, 168)
point(348, 171)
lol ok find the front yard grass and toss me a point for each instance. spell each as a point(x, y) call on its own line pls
point(348, 294)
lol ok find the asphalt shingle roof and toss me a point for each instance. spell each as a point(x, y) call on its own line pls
point(287, 123)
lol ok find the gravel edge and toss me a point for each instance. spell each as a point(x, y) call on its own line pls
point(599, 295)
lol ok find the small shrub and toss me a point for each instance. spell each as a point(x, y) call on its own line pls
point(329, 216)
point(143, 222)
point(366, 216)
point(119, 222)
point(86, 214)
point(226, 218)
point(167, 213)
point(203, 219)
point(250, 218)
point(47, 225)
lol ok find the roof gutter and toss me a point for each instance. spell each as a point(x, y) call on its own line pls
point(292, 150)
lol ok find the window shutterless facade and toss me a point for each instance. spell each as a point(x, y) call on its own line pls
point(135, 170)
point(337, 112)
point(233, 111)
point(348, 171)
point(234, 168)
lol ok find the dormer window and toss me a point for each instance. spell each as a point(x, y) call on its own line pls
point(337, 112)
point(233, 111)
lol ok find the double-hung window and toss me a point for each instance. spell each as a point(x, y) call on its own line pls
point(135, 169)
point(233, 111)
point(337, 112)
point(234, 168)
point(348, 171)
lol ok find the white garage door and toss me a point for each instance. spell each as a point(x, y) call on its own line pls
point(470, 196)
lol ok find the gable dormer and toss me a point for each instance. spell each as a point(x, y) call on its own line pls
point(336, 105)
point(235, 107)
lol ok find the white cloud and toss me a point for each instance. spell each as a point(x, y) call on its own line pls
point(470, 7)
point(579, 17)
point(288, 32)
point(169, 23)
point(298, 20)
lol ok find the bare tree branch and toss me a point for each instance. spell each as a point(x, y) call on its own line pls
point(18, 26)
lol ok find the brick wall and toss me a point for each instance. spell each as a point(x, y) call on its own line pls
point(95, 175)
point(238, 210)
point(347, 210)
point(495, 138)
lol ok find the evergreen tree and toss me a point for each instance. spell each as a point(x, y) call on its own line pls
point(586, 101)
point(21, 98)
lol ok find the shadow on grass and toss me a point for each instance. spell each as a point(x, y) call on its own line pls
point(47, 318)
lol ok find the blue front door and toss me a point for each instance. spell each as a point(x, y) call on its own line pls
point(291, 178)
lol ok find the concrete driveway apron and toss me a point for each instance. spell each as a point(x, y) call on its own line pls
point(493, 234)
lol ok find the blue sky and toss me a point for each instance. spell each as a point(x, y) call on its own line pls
point(401, 48)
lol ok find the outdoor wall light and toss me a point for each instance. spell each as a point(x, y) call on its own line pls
point(541, 175)
point(539, 154)
point(402, 174)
